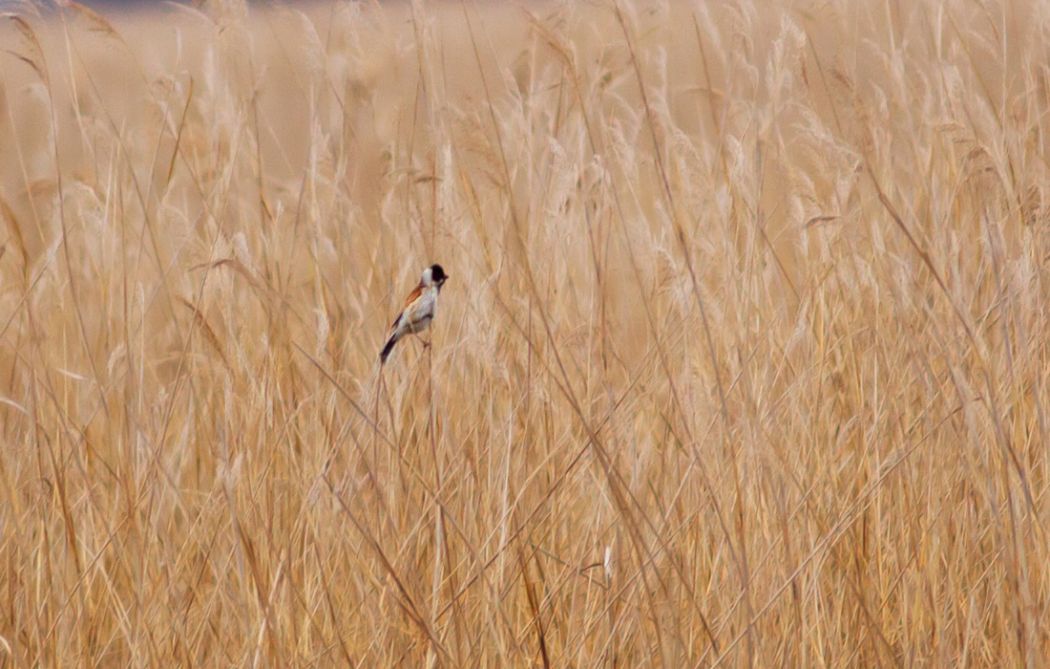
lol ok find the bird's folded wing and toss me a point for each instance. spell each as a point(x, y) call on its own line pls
point(412, 297)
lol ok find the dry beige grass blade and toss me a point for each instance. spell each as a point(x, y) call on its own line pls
point(747, 308)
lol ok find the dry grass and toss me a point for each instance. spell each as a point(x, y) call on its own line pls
point(744, 359)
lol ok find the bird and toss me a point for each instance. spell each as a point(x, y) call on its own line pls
point(418, 311)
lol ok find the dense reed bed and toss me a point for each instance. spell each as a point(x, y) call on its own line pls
point(743, 360)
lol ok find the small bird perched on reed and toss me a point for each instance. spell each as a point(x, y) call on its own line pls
point(419, 308)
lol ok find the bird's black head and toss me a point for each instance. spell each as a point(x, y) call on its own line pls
point(437, 274)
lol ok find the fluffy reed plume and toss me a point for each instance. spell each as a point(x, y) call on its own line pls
point(744, 358)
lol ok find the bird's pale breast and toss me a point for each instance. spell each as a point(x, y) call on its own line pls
point(418, 315)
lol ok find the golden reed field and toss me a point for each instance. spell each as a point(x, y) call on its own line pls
point(744, 358)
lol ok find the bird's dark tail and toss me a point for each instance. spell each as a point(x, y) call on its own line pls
point(387, 349)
